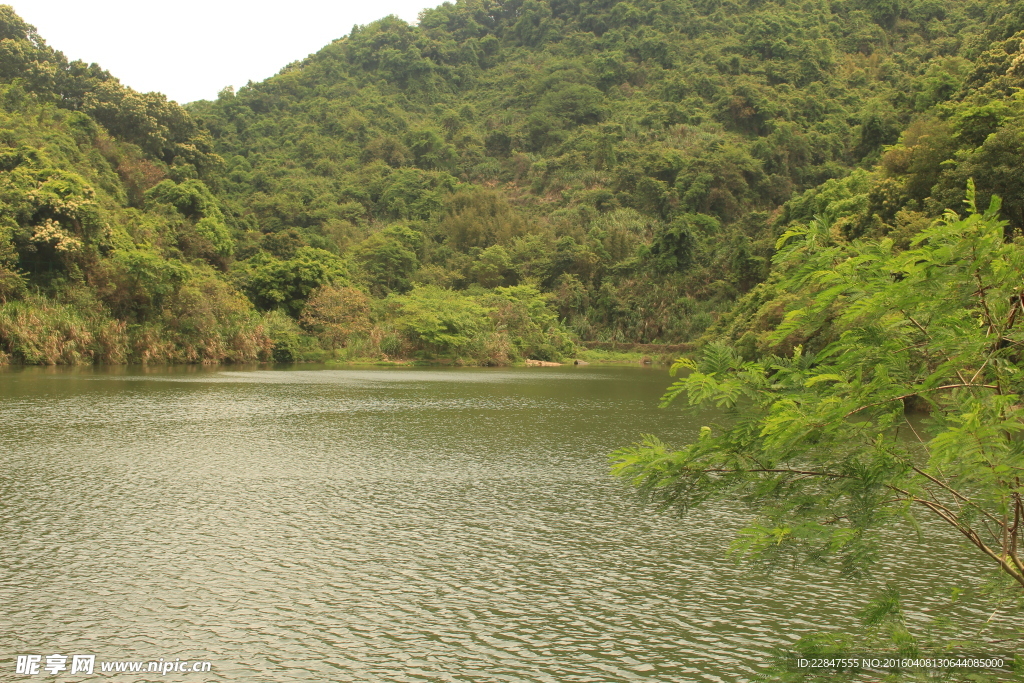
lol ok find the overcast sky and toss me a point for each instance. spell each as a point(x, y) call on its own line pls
point(191, 49)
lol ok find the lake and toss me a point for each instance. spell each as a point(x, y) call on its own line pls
point(400, 524)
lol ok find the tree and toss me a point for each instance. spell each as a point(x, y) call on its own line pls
point(480, 218)
point(193, 199)
point(430, 150)
point(493, 267)
point(672, 248)
point(12, 284)
point(995, 166)
point(526, 317)
point(823, 445)
point(276, 284)
point(334, 314)
point(442, 320)
point(388, 258)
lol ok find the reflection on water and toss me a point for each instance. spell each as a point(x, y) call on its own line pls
point(374, 525)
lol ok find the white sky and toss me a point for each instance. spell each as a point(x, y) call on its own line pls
point(191, 49)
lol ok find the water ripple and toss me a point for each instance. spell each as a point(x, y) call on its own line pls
point(375, 526)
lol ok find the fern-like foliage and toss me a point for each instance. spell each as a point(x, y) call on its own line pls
point(825, 446)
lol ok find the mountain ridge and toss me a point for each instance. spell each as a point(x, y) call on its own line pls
point(612, 171)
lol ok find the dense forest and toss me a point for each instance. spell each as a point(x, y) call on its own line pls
point(501, 181)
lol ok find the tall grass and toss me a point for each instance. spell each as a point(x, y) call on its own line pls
point(40, 331)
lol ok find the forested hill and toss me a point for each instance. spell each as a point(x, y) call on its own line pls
point(494, 182)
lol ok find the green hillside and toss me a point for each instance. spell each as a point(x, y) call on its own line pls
point(498, 182)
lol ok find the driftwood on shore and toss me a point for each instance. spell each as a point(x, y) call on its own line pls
point(541, 363)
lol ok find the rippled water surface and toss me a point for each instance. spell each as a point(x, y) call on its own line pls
point(373, 525)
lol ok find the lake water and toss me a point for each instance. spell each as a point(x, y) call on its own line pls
point(380, 525)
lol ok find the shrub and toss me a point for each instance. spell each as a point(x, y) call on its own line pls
point(334, 314)
point(285, 284)
point(442, 321)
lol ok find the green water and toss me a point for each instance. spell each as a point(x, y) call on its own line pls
point(377, 525)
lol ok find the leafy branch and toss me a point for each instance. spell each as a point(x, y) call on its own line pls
point(813, 441)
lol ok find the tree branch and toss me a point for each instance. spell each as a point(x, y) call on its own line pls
point(900, 398)
point(830, 475)
point(956, 494)
point(1013, 570)
point(925, 332)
